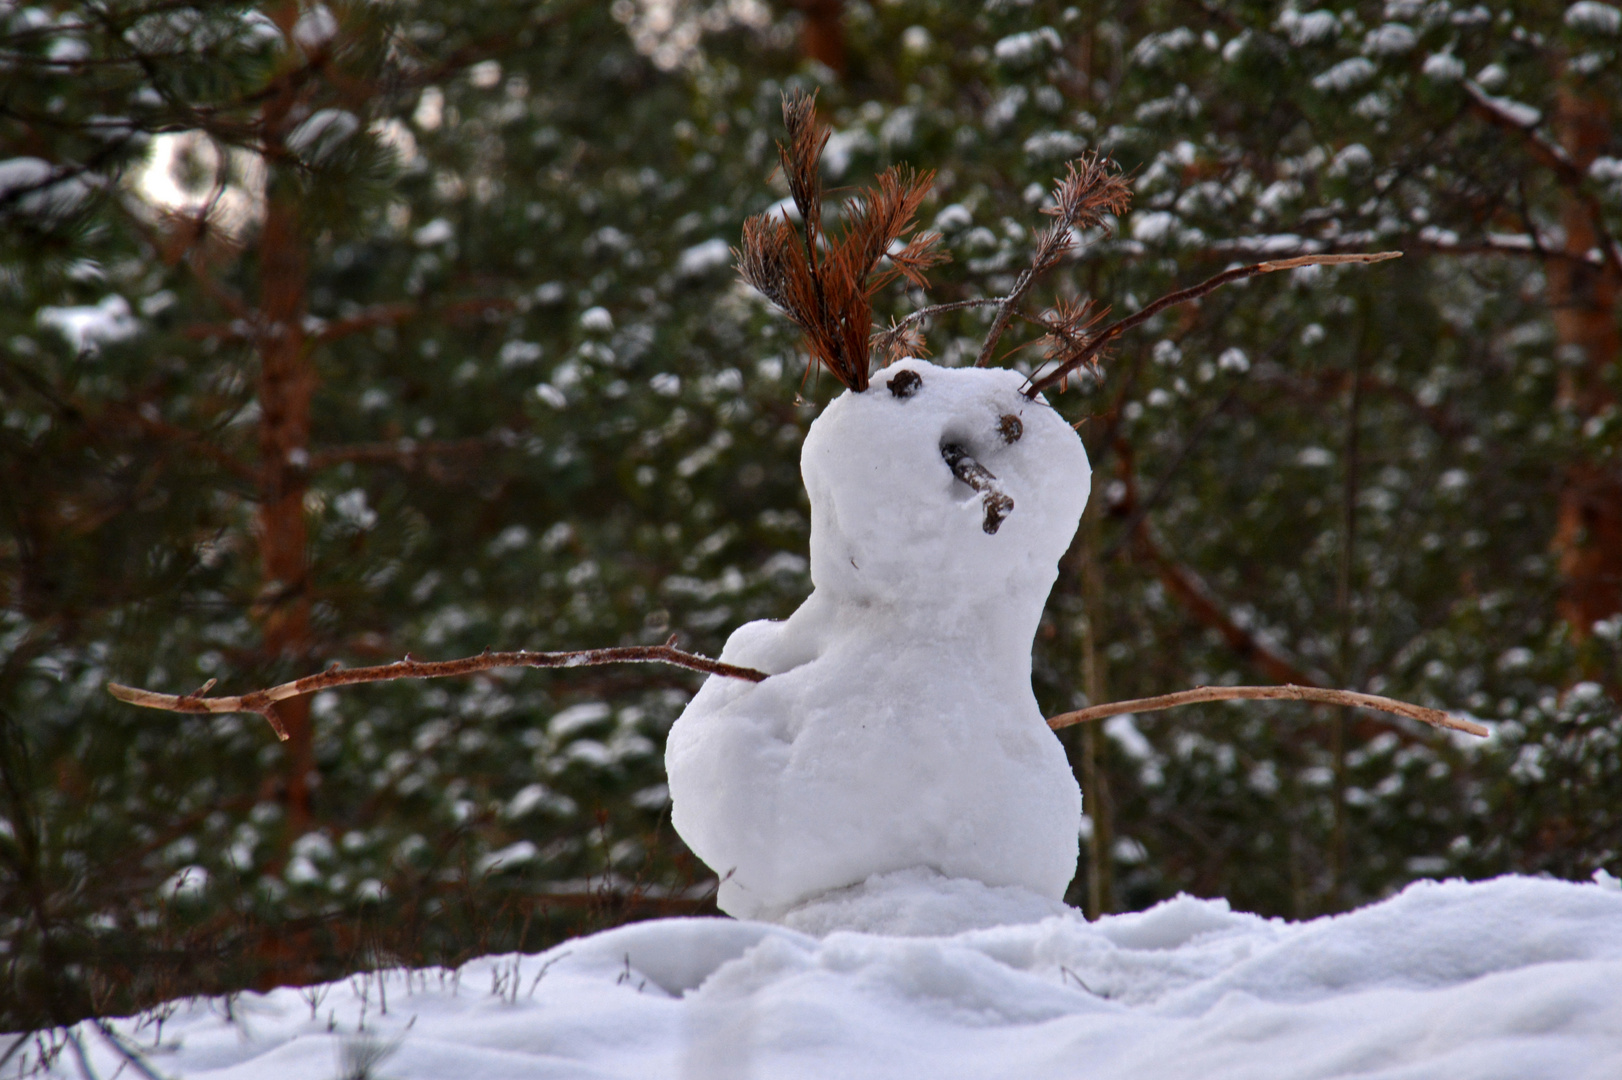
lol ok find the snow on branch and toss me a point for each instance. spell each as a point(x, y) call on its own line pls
point(1522, 120)
point(1288, 692)
point(263, 701)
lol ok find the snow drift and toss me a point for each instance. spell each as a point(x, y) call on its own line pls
point(1512, 979)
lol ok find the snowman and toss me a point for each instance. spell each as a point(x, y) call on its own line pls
point(897, 731)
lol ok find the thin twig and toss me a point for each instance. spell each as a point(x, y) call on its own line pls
point(1288, 692)
point(883, 339)
point(131, 1058)
point(1115, 329)
point(262, 701)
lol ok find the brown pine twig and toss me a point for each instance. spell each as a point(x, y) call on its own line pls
point(899, 337)
point(1097, 342)
point(1288, 692)
point(263, 701)
point(825, 283)
point(1091, 189)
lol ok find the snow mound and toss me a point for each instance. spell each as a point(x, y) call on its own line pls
point(920, 903)
point(898, 730)
point(1511, 978)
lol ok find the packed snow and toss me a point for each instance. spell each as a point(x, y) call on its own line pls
point(898, 729)
point(1512, 979)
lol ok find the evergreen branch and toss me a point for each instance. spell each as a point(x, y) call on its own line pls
point(1554, 158)
point(263, 701)
point(1187, 586)
point(408, 453)
point(371, 318)
point(1192, 592)
point(1524, 245)
point(1140, 510)
point(1434, 717)
point(1096, 342)
point(179, 436)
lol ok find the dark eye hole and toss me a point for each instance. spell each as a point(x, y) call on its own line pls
point(1010, 428)
point(905, 384)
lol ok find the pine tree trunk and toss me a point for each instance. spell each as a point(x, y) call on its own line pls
point(1583, 298)
point(287, 382)
point(1095, 792)
point(822, 35)
point(286, 385)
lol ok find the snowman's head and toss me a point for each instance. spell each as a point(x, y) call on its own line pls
point(941, 484)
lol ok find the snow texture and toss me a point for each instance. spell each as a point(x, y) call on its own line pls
point(898, 730)
point(89, 326)
point(35, 188)
point(1594, 17)
point(1511, 978)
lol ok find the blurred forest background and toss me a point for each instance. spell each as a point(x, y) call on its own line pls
point(333, 332)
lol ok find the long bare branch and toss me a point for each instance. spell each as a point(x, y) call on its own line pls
point(263, 701)
point(1098, 341)
point(1288, 692)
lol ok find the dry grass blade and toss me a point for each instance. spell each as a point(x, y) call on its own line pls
point(263, 702)
point(1096, 342)
point(1434, 717)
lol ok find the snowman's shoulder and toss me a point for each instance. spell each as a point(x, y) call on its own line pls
point(759, 644)
point(775, 646)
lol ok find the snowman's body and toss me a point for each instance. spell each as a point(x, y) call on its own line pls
point(898, 729)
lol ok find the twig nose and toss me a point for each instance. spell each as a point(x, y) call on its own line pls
point(977, 476)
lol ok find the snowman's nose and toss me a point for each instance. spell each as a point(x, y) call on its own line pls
point(977, 476)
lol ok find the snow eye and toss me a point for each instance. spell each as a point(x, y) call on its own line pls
point(1010, 428)
point(905, 384)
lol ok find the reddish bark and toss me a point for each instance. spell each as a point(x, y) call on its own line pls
point(286, 386)
point(287, 382)
point(822, 34)
point(1583, 301)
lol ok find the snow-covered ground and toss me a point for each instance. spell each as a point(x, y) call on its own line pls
point(1514, 978)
